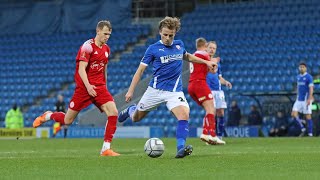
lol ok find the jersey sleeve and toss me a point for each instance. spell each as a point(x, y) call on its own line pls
point(184, 49)
point(219, 70)
point(85, 52)
point(148, 56)
point(310, 80)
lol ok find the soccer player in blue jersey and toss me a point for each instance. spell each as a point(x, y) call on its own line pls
point(214, 81)
point(166, 57)
point(304, 99)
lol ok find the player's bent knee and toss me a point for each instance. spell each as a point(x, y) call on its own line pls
point(68, 121)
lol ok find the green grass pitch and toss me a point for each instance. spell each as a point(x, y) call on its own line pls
point(241, 158)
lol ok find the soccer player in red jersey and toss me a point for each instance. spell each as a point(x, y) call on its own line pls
point(91, 64)
point(201, 93)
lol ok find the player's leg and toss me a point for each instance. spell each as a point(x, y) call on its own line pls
point(209, 125)
point(199, 95)
point(308, 113)
point(60, 117)
point(213, 139)
point(178, 105)
point(112, 113)
point(149, 101)
point(298, 107)
point(221, 104)
point(133, 113)
point(309, 124)
point(182, 131)
point(220, 122)
point(80, 100)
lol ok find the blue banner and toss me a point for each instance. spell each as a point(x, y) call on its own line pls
point(122, 132)
point(245, 131)
point(242, 131)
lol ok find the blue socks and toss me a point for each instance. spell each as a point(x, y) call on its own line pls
point(132, 109)
point(220, 127)
point(182, 133)
point(310, 126)
point(299, 122)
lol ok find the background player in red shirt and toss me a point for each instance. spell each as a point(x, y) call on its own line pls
point(91, 65)
point(201, 93)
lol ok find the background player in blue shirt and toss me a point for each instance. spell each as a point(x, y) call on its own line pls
point(214, 81)
point(166, 57)
point(304, 98)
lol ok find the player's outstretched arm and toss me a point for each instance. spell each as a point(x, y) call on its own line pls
point(310, 99)
point(84, 77)
point(225, 82)
point(135, 80)
point(193, 58)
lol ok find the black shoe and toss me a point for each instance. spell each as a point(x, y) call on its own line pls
point(183, 152)
point(124, 114)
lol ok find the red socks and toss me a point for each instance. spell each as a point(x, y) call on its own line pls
point(205, 125)
point(209, 125)
point(111, 127)
point(58, 117)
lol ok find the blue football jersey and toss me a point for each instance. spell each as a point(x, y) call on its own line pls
point(303, 84)
point(213, 80)
point(167, 65)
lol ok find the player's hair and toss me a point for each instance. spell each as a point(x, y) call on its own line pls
point(212, 42)
point(303, 63)
point(201, 42)
point(170, 23)
point(104, 23)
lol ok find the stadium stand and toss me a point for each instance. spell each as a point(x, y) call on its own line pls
point(260, 44)
point(35, 67)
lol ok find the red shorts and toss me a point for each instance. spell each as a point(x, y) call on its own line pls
point(199, 91)
point(81, 99)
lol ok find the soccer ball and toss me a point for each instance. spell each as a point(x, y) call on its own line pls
point(154, 147)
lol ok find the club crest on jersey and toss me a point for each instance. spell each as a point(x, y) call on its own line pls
point(141, 106)
point(107, 54)
point(71, 104)
point(178, 47)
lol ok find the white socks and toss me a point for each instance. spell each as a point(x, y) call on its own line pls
point(105, 146)
point(47, 118)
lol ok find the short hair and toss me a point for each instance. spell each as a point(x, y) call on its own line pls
point(104, 23)
point(201, 42)
point(212, 42)
point(170, 23)
point(303, 64)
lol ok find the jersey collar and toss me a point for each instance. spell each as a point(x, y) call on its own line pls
point(165, 45)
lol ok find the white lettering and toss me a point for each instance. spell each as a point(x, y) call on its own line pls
point(172, 57)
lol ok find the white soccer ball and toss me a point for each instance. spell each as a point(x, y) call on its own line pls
point(154, 147)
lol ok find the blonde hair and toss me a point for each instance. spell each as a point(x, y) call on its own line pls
point(211, 42)
point(170, 23)
point(104, 23)
point(201, 42)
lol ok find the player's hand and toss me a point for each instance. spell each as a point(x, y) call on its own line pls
point(309, 102)
point(91, 91)
point(128, 96)
point(228, 84)
point(211, 65)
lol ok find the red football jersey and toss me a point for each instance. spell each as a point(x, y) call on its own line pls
point(97, 59)
point(199, 71)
